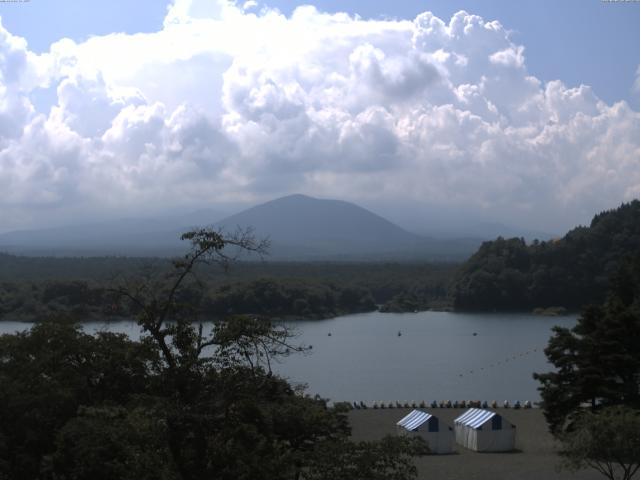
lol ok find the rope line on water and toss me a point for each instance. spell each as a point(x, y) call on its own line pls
point(513, 357)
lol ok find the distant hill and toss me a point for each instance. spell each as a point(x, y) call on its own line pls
point(129, 236)
point(508, 274)
point(305, 225)
point(302, 227)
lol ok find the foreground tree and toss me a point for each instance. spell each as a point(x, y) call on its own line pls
point(388, 459)
point(183, 403)
point(598, 361)
point(48, 373)
point(608, 442)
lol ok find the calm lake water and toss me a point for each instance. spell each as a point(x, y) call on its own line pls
point(436, 357)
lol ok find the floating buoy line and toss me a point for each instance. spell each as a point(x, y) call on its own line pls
point(502, 362)
point(441, 404)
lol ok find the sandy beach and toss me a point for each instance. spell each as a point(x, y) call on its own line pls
point(534, 458)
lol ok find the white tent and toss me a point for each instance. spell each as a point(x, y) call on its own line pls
point(484, 431)
point(438, 437)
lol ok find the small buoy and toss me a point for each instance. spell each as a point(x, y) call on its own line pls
point(399, 333)
point(475, 334)
point(329, 334)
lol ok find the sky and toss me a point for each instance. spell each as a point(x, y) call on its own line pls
point(428, 112)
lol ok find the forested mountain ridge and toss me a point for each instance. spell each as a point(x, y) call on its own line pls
point(509, 274)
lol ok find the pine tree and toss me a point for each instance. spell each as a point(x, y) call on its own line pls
point(597, 361)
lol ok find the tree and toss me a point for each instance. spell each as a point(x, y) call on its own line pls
point(598, 361)
point(180, 404)
point(508, 274)
point(157, 300)
point(48, 373)
point(608, 441)
point(113, 442)
point(388, 459)
point(224, 413)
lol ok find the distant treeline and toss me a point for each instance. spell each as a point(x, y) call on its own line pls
point(40, 288)
point(505, 274)
point(569, 272)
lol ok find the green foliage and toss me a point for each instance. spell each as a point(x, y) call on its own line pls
point(388, 459)
point(597, 362)
point(83, 289)
point(104, 443)
point(179, 404)
point(279, 298)
point(608, 441)
point(570, 272)
point(49, 372)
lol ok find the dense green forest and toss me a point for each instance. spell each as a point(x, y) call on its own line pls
point(33, 288)
point(508, 274)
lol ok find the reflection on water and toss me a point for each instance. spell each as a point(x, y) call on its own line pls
point(410, 357)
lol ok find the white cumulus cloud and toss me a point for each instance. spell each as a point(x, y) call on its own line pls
point(232, 103)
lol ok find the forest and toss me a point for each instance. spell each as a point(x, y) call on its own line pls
point(503, 275)
point(33, 288)
point(570, 272)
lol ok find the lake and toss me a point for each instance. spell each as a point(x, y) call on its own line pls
point(436, 357)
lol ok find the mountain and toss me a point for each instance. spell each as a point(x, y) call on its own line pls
point(321, 226)
point(128, 236)
point(299, 227)
point(508, 274)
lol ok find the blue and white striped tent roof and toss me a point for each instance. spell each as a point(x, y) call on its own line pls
point(475, 417)
point(412, 421)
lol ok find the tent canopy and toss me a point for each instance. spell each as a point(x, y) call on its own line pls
point(475, 418)
point(414, 420)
